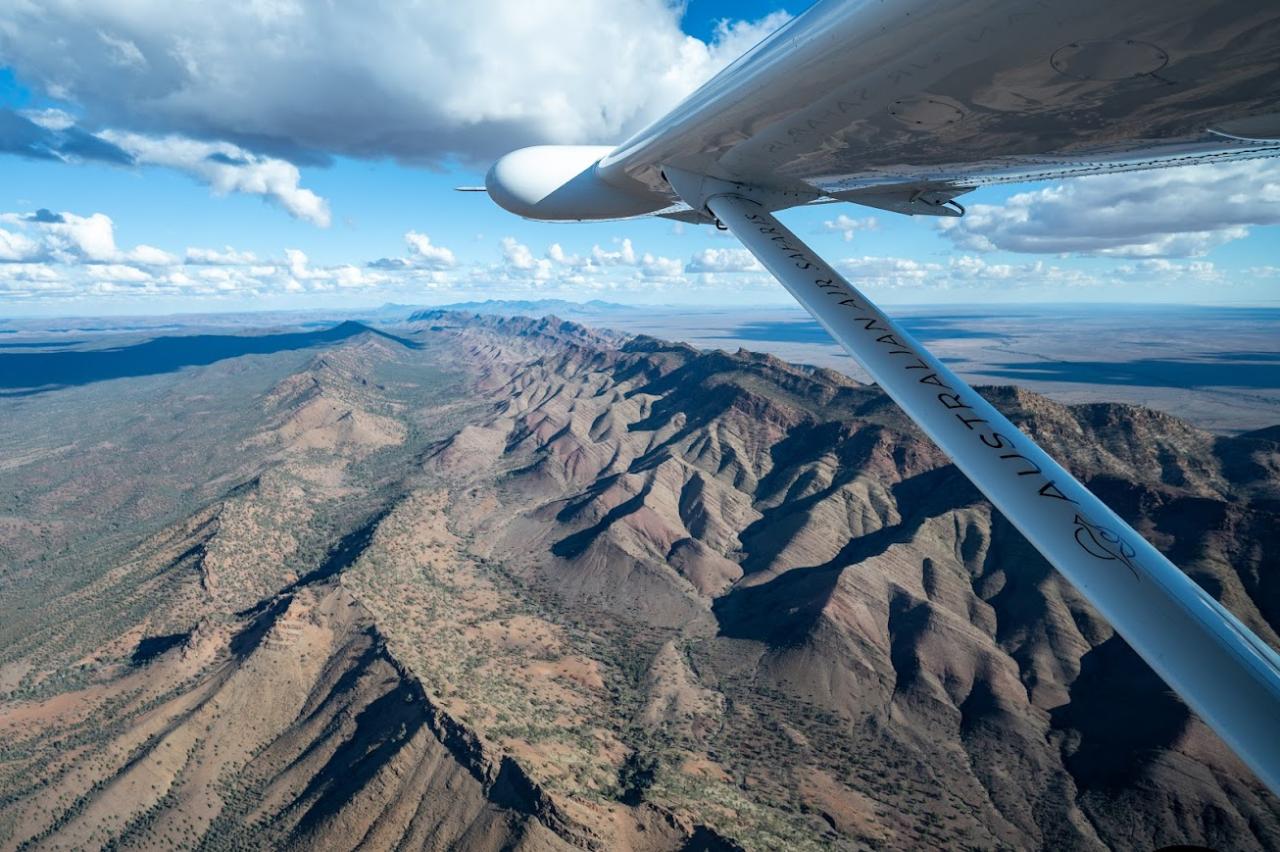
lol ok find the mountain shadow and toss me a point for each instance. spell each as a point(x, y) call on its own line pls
point(24, 373)
point(1123, 713)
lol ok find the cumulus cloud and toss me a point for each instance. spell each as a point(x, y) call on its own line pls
point(227, 168)
point(421, 82)
point(518, 255)
point(52, 135)
point(119, 272)
point(624, 255)
point(69, 238)
point(32, 278)
point(1159, 270)
point(962, 272)
point(658, 267)
point(64, 255)
point(1182, 212)
point(229, 273)
point(556, 253)
point(15, 247)
point(621, 267)
point(723, 260)
point(89, 238)
point(227, 257)
point(238, 94)
point(423, 254)
point(847, 226)
point(889, 271)
point(150, 256)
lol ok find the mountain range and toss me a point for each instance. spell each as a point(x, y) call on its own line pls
point(485, 582)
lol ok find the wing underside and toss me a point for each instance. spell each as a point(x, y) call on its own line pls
point(872, 101)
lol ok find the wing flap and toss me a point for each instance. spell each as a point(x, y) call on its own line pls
point(909, 200)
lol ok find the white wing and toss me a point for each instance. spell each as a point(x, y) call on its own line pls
point(905, 105)
point(872, 100)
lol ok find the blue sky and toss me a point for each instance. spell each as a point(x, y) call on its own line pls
point(170, 185)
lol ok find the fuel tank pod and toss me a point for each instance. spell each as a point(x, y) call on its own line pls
point(562, 183)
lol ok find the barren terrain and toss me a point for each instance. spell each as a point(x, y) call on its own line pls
point(491, 583)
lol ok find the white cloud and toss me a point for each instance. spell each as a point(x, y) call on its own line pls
point(52, 134)
point(1181, 212)
point(889, 271)
point(625, 255)
point(417, 82)
point(118, 272)
point(69, 256)
point(33, 281)
point(517, 254)
point(723, 260)
point(228, 256)
point(598, 259)
point(227, 168)
point(90, 238)
point(424, 253)
point(520, 260)
point(151, 256)
point(620, 268)
point(15, 247)
point(557, 254)
point(238, 94)
point(964, 271)
point(653, 266)
point(846, 226)
point(70, 238)
point(299, 275)
point(53, 256)
point(1159, 270)
point(49, 119)
point(299, 263)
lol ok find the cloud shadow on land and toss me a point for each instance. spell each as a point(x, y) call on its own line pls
point(24, 373)
point(809, 331)
point(1149, 372)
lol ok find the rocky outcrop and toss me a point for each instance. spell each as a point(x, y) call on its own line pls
point(635, 596)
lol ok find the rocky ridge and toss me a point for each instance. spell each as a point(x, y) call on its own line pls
point(643, 597)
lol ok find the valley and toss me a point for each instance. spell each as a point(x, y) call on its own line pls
point(508, 583)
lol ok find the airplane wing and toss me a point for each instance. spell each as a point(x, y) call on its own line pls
point(905, 106)
point(884, 102)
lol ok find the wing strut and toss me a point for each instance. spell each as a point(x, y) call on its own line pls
point(1224, 672)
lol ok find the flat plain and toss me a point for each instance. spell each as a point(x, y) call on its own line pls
point(1216, 367)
